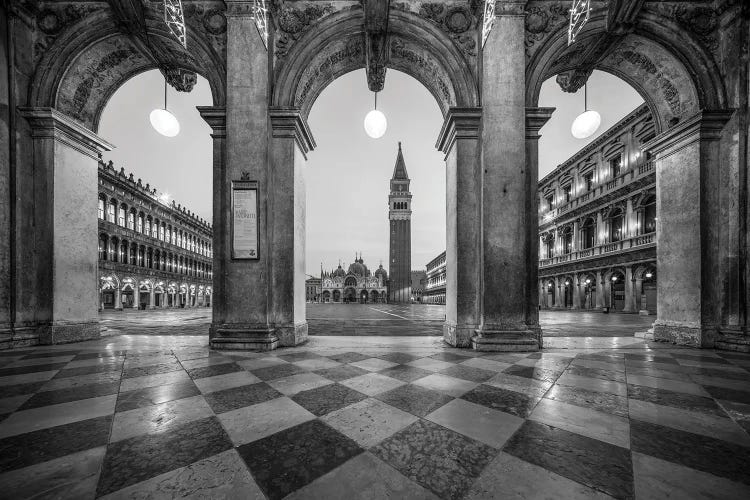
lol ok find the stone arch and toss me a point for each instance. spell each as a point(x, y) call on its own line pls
point(336, 46)
point(665, 63)
point(91, 59)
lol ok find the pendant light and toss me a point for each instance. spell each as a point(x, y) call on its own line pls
point(375, 122)
point(163, 121)
point(587, 123)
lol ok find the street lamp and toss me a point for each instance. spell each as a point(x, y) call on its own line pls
point(375, 122)
point(163, 121)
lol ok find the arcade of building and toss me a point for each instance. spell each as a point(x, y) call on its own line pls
point(484, 62)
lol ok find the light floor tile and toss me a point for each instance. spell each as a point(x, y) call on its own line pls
point(221, 476)
point(258, 363)
point(524, 385)
point(369, 422)
point(316, 364)
point(12, 403)
point(94, 362)
point(656, 479)
point(593, 384)
point(430, 364)
point(297, 383)
point(374, 364)
point(25, 421)
point(486, 364)
point(366, 477)
point(27, 378)
point(81, 380)
point(510, 477)
point(446, 384)
point(601, 365)
point(372, 383)
point(190, 364)
point(484, 424)
point(667, 384)
point(71, 477)
point(689, 421)
point(168, 378)
point(226, 381)
point(251, 423)
point(39, 361)
point(740, 385)
point(157, 418)
point(584, 421)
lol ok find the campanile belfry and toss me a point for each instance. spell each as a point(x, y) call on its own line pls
point(399, 214)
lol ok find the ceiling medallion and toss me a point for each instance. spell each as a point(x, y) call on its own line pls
point(579, 15)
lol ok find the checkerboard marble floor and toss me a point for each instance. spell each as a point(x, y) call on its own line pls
point(422, 421)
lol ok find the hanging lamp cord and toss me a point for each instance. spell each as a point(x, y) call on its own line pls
point(165, 94)
point(585, 97)
point(376, 100)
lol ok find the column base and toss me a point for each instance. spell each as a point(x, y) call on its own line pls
point(644, 312)
point(292, 335)
point(242, 338)
point(458, 335)
point(507, 340)
point(733, 338)
point(691, 336)
point(65, 333)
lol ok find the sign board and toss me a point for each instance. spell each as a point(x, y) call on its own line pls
point(245, 220)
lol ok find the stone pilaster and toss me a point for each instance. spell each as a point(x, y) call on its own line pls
point(459, 140)
point(692, 267)
point(291, 140)
point(509, 317)
point(60, 254)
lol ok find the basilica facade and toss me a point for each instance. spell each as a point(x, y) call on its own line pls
point(355, 285)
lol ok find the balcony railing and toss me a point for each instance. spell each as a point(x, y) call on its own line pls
point(624, 245)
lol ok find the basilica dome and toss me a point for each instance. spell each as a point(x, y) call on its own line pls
point(359, 268)
point(339, 272)
point(381, 272)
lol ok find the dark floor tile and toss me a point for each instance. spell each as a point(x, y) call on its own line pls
point(13, 353)
point(213, 370)
point(72, 394)
point(729, 394)
point(511, 402)
point(46, 444)
point(535, 372)
point(89, 370)
point(343, 372)
point(610, 358)
point(277, 371)
point(675, 399)
point(148, 396)
point(708, 454)
point(439, 459)
point(596, 464)
point(139, 458)
point(405, 373)
point(583, 371)
point(399, 357)
point(142, 371)
point(299, 356)
point(469, 373)
point(239, 397)
point(113, 355)
point(602, 401)
point(21, 370)
point(416, 400)
point(734, 355)
point(324, 400)
point(701, 357)
point(654, 358)
point(349, 357)
point(7, 391)
point(719, 373)
point(288, 460)
point(50, 354)
point(449, 356)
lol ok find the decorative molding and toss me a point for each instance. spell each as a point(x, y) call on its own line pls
point(295, 22)
point(216, 117)
point(459, 123)
point(239, 8)
point(50, 123)
point(456, 20)
point(536, 118)
point(182, 80)
point(289, 123)
point(703, 125)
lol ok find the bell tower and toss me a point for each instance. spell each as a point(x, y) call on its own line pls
point(399, 214)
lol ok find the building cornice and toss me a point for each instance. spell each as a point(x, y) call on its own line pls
point(289, 123)
point(459, 123)
point(50, 123)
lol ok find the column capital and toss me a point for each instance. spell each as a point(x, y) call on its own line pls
point(536, 118)
point(239, 8)
point(50, 123)
point(510, 8)
point(459, 123)
point(703, 125)
point(289, 123)
point(216, 117)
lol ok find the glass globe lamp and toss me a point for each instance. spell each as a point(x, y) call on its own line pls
point(586, 124)
point(375, 124)
point(164, 122)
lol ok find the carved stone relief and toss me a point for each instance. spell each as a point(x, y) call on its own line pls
point(294, 22)
point(54, 18)
point(457, 20)
point(323, 69)
point(540, 21)
point(430, 74)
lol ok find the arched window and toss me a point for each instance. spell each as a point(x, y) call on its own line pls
point(162, 232)
point(147, 229)
point(549, 246)
point(103, 246)
point(111, 211)
point(588, 233)
point(141, 256)
point(647, 216)
point(102, 202)
point(615, 225)
point(123, 257)
point(121, 215)
point(114, 245)
point(179, 239)
point(139, 224)
point(131, 219)
point(133, 254)
point(567, 240)
point(157, 260)
point(155, 229)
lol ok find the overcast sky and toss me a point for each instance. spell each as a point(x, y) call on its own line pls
point(347, 175)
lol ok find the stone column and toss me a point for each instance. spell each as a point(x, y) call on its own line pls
point(118, 299)
point(509, 219)
point(291, 140)
point(556, 287)
point(576, 230)
point(629, 305)
point(60, 254)
point(540, 294)
point(601, 234)
point(629, 220)
point(241, 320)
point(459, 140)
point(599, 290)
point(693, 268)
point(640, 297)
point(151, 298)
point(577, 290)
